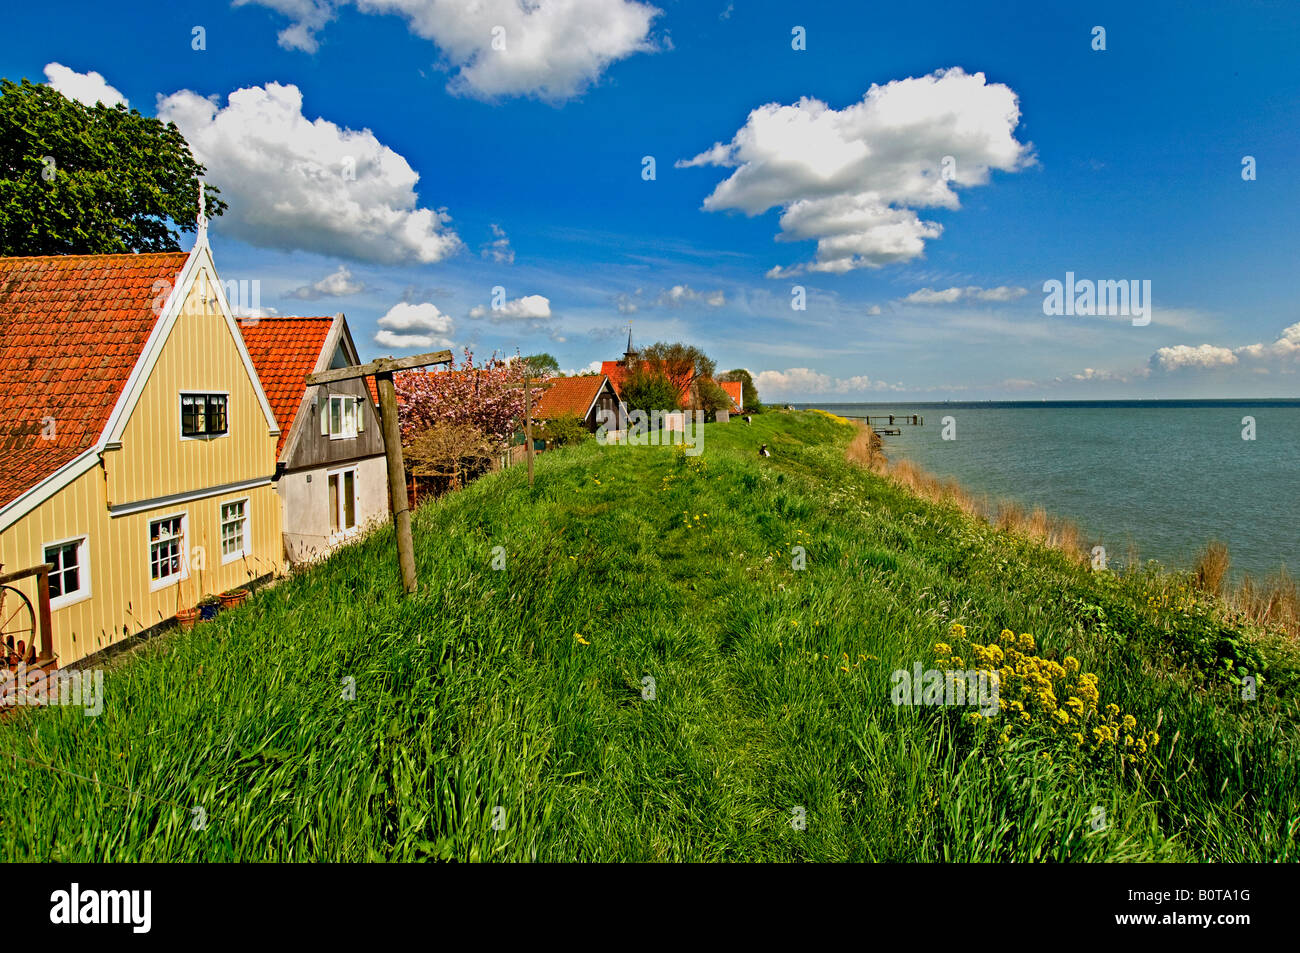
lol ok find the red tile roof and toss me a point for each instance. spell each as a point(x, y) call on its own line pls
point(736, 391)
point(569, 395)
point(284, 351)
point(71, 329)
point(617, 373)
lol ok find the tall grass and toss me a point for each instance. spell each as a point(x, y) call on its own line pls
point(640, 684)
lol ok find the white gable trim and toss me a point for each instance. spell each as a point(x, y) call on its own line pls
point(64, 476)
point(199, 264)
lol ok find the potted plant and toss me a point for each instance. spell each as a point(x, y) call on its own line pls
point(234, 597)
point(208, 606)
point(187, 617)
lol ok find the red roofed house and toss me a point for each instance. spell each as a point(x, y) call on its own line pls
point(137, 447)
point(736, 391)
point(330, 470)
point(585, 397)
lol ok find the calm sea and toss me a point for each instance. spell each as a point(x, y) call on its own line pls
point(1163, 476)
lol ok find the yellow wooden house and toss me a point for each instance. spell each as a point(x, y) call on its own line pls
point(137, 447)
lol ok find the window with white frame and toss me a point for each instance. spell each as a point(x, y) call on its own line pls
point(167, 550)
point(343, 417)
point(70, 577)
point(342, 488)
point(234, 530)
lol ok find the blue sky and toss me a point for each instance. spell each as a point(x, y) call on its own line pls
point(382, 159)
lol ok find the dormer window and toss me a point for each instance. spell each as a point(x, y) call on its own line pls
point(204, 415)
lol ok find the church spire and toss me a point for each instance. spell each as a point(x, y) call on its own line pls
point(629, 355)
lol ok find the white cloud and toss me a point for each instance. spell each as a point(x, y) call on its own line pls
point(853, 178)
point(674, 297)
point(527, 308)
point(1284, 350)
point(969, 293)
point(802, 380)
point(338, 284)
point(294, 183)
point(682, 294)
point(499, 249)
point(85, 88)
point(414, 325)
point(552, 50)
point(873, 310)
point(592, 368)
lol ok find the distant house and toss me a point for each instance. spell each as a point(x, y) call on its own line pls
point(330, 471)
point(584, 397)
point(736, 391)
point(137, 447)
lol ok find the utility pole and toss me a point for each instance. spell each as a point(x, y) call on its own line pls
point(382, 370)
point(528, 423)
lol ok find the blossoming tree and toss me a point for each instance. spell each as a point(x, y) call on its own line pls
point(489, 397)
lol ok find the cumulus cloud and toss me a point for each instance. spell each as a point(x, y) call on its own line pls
point(1285, 350)
point(551, 50)
point(527, 308)
point(414, 325)
point(802, 380)
point(969, 293)
point(85, 88)
point(853, 178)
point(873, 310)
point(296, 183)
point(499, 250)
point(338, 284)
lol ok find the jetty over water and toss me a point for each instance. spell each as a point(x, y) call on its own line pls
point(890, 424)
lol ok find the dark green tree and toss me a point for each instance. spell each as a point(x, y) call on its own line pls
point(682, 364)
point(748, 392)
point(80, 179)
point(712, 398)
point(542, 365)
point(649, 390)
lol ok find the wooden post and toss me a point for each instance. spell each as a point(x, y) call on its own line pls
point(528, 425)
point(392, 430)
point(43, 601)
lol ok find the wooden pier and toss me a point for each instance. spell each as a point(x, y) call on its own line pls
point(891, 425)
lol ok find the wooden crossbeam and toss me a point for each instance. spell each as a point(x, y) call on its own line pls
point(382, 370)
point(384, 365)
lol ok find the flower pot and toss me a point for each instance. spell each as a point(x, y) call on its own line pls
point(208, 610)
point(187, 618)
point(231, 599)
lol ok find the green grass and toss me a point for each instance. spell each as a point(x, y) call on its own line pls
point(474, 694)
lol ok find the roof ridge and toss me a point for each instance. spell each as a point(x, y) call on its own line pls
point(126, 254)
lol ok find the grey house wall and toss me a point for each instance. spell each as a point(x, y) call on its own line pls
point(313, 450)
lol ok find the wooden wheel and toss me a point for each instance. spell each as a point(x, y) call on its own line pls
point(17, 626)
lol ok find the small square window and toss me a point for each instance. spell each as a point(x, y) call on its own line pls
point(166, 549)
point(203, 415)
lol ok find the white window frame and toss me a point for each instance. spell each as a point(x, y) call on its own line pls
point(247, 533)
point(343, 531)
point(83, 571)
point(344, 400)
point(180, 412)
point(167, 581)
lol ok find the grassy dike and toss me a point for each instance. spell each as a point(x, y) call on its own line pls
point(515, 697)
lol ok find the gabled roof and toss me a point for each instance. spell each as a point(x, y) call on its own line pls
point(736, 391)
point(284, 351)
point(72, 328)
point(617, 373)
point(570, 395)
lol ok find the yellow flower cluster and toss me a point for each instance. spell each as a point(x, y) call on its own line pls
point(693, 522)
point(829, 416)
point(1040, 693)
